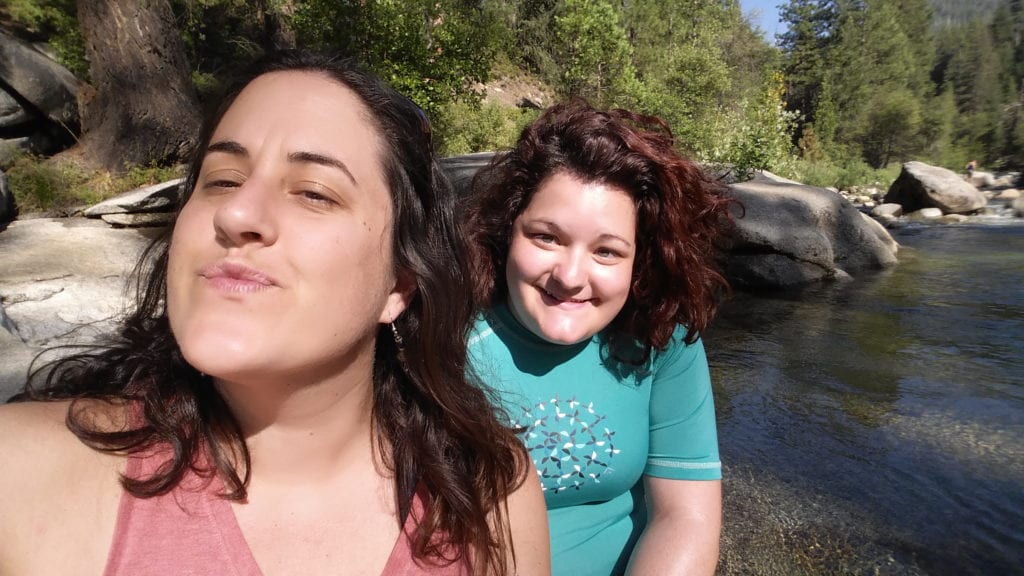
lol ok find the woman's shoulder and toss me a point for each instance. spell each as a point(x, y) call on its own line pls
point(53, 486)
point(37, 450)
point(39, 429)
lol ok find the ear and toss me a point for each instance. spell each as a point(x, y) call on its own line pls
point(399, 298)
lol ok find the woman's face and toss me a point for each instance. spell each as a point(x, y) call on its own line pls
point(570, 260)
point(280, 262)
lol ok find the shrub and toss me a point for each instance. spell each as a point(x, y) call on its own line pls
point(62, 186)
point(842, 173)
point(464, 127)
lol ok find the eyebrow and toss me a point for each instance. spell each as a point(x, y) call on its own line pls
point(322, 160)
point(236, 149)
point(606, 236)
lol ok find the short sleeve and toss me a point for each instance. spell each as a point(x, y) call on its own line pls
point(684, 436)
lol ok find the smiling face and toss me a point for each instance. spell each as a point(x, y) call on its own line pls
point(280, 263)
point(570, 259)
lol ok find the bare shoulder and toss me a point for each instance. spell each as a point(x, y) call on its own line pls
point(52, 486)
point(34, 438)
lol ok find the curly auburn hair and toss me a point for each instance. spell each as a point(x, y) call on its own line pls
point(680, 214)
point(433, 426)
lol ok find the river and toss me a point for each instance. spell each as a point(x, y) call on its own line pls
point(876, 426)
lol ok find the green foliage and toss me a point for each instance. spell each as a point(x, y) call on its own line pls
point(761, 138)
point(464, 127)
point(53, 22)
point(592, 51)
point(892, 127)
point(841, 174)
point(218, 35)
point(63, 186)
point(434, 51)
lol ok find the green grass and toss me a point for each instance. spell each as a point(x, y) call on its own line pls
point(842, 174)
point(61, 186)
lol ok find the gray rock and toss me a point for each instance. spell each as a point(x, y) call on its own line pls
point(7, 208)
point(15, 358)
point(462, 169)
point(156, 198)
point(1018, 207)
point(891, 210)
point(982, 179)
point(925, 214)
point(1008, 194)
point(141, 220)
point(886, 220)
point(11, 148)
point(11, 113)
point(795, 234)
point(62, 282)
point(36, 78)
point(922, 186)
point(953, 218)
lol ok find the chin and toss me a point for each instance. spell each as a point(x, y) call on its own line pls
point(564, 338)
point(220, 357)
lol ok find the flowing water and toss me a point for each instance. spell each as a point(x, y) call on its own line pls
point(877, 426)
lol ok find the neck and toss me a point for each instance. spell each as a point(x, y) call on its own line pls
point(309, 433)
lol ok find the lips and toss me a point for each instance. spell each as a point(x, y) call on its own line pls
point(234, 277)
point(554, 300)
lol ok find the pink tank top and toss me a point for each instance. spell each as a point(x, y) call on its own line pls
point(191, 530)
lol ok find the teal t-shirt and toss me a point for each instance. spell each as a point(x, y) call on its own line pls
point(594, 428)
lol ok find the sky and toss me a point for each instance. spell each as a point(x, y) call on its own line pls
point(767, 17)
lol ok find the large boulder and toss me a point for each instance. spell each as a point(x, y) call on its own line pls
point(31, 77)
point(922, 186)
point(61, 282)
point(462, 169)
point(791, 234)
point(38, 101)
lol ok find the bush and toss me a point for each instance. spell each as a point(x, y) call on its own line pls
point(463, 127)
point(842, 173)
point(62, 186)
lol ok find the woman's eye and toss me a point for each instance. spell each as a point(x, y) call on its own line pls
point(316, 198)
point(607, 253)
point(221, 179)
point(543, 238)
point(222, 184)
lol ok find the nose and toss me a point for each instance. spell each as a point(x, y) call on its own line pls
point(570, 271)
point(245, 216)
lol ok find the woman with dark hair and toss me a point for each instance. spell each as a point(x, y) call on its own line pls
point(290, 394)
point(592, 243)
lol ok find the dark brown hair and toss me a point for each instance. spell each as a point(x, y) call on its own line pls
point(680, 214)
point(431, 424)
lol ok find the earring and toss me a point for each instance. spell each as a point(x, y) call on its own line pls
point(399, 343)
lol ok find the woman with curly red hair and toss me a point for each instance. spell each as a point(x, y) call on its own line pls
point(592, 243)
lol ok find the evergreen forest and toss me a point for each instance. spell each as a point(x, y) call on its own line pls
point(848, 91)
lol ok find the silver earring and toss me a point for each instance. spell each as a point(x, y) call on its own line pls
point(399, 343)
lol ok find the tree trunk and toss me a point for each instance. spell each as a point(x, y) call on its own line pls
point(144, 109)
point(276, 17)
